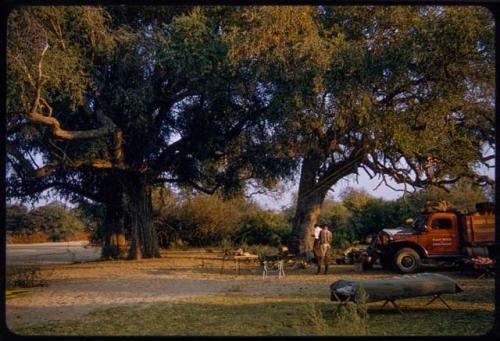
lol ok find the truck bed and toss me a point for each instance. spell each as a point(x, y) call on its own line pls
point(478, 229)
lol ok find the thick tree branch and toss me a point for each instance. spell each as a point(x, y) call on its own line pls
point(107, 128)
point(35, 115)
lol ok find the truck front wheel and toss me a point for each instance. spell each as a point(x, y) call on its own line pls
point(406, 260)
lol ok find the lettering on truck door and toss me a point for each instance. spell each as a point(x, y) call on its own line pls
point(443, 234)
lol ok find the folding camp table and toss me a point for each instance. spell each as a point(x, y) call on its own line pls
point(237, 260)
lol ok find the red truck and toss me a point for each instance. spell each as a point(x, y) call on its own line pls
point(435, 236)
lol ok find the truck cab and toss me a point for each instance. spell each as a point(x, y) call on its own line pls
point(437, 233)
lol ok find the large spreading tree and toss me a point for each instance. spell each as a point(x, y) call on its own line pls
point(114, 101)
point(405, 93)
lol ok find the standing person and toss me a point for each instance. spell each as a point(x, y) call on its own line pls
point(325, 239)
point(316, 249)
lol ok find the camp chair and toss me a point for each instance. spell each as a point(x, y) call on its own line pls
point(273, 263)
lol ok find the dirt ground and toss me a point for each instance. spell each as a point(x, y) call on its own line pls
point(76, 289)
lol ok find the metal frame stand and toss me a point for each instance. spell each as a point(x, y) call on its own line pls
point(393, 302)
point(438, 296)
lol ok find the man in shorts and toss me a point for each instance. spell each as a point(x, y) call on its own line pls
point(325, 239)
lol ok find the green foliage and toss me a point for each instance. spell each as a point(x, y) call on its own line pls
point(209, 220)
point(92, 216)
point(54, 220)
point(262, 227)
point(226, 244)
point(160, 76)
point(73, 34)
point(352, 319)
point(463, 196)
point(405, 92)
point(369, 214)
point(204, 220)
point(260, 250)
point(318, 322)
point(15, 217)
point(200, 220)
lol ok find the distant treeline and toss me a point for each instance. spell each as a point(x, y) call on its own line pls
point(49, 223)
point(201, 220)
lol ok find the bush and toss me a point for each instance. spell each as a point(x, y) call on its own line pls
point(24, 277)
point(261, 250)
point(316, 319)
point(28, 238)
point(93, 216)
point(201, 220)
point(352, 318)
point(263, 227)
point(52, 222)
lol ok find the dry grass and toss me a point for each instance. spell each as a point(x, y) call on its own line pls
point(234, 315)
point(16, 293)
point(24, 239)
point(211, 303)
point(25, 277)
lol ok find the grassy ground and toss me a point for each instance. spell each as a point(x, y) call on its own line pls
point(237, 314)
point(233, 314)
point(297, 305)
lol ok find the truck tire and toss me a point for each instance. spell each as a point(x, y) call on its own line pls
point(406, 260)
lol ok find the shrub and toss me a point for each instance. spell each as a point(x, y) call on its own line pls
point(263, 227)
point(28, 238)
point(352, 318)
point(52, 222)
point(261, 250)
point(24, 277)
point(200, 220)
point(226, 244)
point(316, 319)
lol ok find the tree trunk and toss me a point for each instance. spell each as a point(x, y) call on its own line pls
point(309, 203)
point(144, 241)
point(312, 192)
point(115, 245)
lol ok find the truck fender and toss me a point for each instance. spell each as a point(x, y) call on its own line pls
point(395, 246)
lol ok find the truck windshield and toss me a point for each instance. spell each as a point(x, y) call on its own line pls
point(419, 222)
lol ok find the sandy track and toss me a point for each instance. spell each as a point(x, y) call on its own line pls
point(51, 253)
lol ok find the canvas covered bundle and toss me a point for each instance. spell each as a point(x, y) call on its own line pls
point(394, 288)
